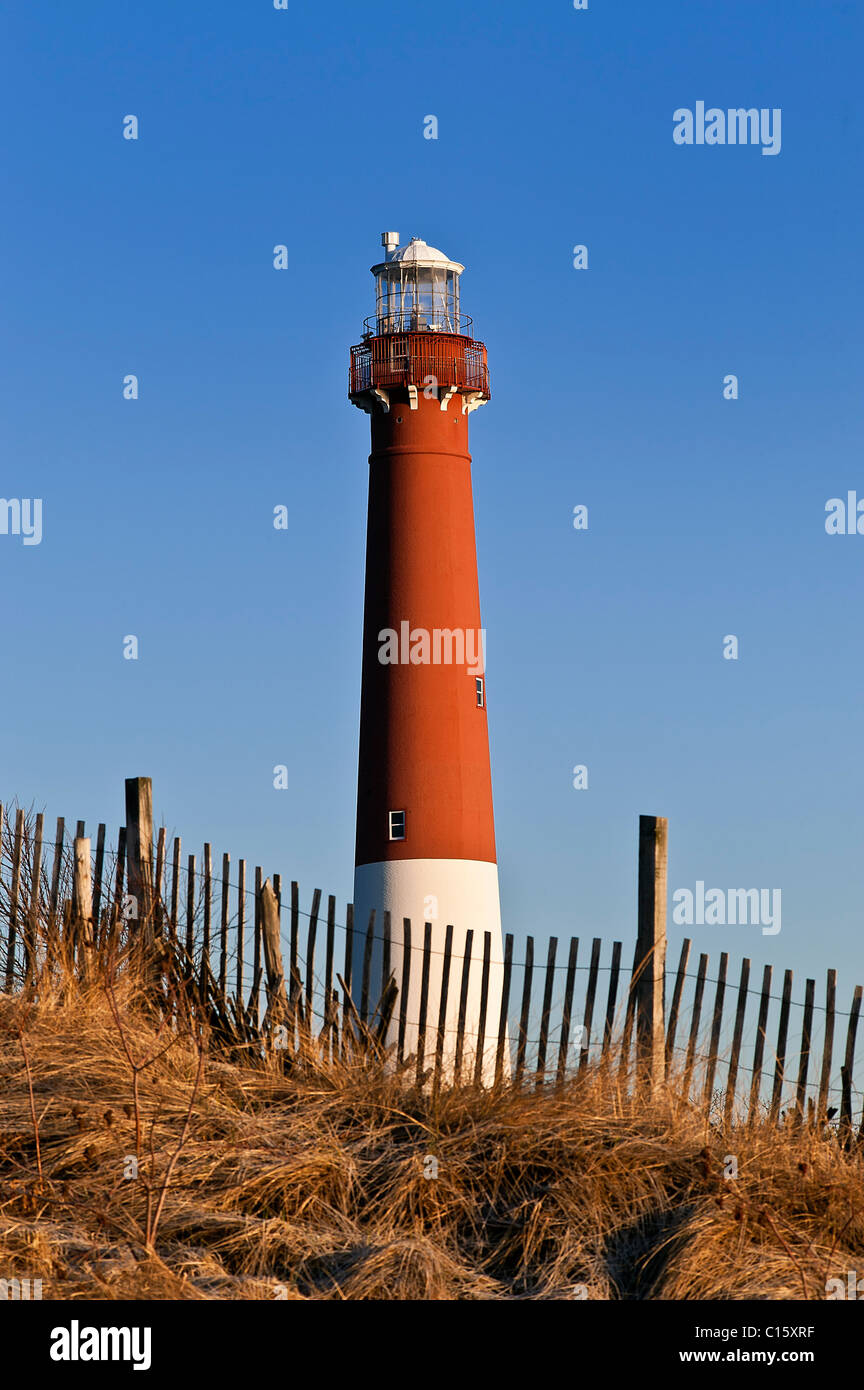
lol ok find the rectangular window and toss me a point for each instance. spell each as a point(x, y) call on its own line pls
point(480, 692)
point(397, 825)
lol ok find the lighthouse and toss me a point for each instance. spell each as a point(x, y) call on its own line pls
point(425, 848)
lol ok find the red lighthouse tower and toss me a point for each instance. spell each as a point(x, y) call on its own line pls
point(425, 831)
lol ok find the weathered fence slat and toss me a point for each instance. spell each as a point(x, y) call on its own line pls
point(32, 931)
point(695, 1019)
point(480, 1053)
point(14, 890)
point(295, 927)
point(159, 876)
point(672, 1027)
point(611, 997)
point(505, 1005)
point(849, 1060)
point(119, 881)
point(328, 969)
point(591, 991)
point(463, 1006)
point(97, 875)
point(241, 930)
point(310, 954)
point(257, 944)
point(759, 1045)
point(190, 911)
point(567, 1008)
point(548, 986)
point(844, 1129)
point(175, 888)
point(442, 1004)
point(56, 870)
point(424, 1000)
point(629, 1015)
point(224, 920)
point(346, 973)
point(719, 996)
point(527, 980)
point(367, 968)
point(828, 1047)
point(403, 993)
point(737, 1035)
point(208, 915)
point(385, 952)
point(780, 1054)
point(349, 944)
point(804, 1056)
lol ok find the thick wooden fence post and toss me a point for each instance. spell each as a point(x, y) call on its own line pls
point(139, 849)
point(277, 999)
point(651, 951)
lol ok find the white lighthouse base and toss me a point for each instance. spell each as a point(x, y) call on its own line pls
point(460, 892)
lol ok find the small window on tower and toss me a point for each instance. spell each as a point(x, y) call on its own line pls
point(481, 694)
point(397, 825)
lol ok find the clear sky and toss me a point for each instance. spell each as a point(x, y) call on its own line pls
point(304, 127)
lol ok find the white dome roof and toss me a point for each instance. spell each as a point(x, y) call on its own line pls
point(418, 252)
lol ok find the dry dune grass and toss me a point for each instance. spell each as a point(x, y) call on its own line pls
point(322, 1185)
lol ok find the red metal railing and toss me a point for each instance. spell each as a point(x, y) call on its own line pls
point(410, 359)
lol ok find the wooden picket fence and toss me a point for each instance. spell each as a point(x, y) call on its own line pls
point(226, 934)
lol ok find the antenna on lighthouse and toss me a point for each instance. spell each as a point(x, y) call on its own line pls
point(389, 240)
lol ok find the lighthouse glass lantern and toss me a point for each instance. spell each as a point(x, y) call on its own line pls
point(418, 337)
point(417, 289)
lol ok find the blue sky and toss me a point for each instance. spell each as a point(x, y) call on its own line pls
point(706, 517)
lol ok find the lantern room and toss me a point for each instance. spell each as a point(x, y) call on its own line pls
point(417, 339)
point(417, 289)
